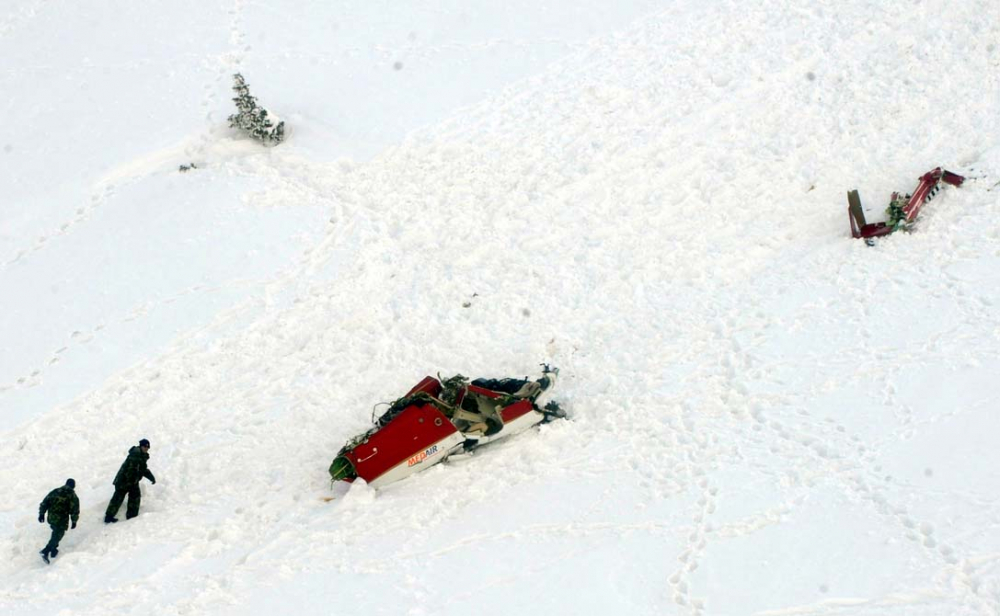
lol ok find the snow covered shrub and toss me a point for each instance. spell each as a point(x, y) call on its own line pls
point(252, 118)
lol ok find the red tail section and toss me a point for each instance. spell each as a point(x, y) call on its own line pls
point(924, 192)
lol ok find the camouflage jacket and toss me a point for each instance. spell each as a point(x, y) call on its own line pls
point(133, 469)
point(62, 505)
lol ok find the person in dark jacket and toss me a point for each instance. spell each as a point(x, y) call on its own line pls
point(126, 483)
point(63, 506)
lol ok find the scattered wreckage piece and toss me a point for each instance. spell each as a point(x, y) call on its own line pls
point(902, 210)
point(438, 418)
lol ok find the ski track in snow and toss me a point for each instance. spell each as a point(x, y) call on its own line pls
point(628, 216)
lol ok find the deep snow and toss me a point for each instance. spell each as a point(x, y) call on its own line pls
point(767, 417)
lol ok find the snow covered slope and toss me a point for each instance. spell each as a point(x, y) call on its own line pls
point(767, 417)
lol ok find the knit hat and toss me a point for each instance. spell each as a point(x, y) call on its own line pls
point(71, 483)
point(143, 443)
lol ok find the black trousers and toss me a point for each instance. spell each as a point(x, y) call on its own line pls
point(58, 530)
point(134, 498)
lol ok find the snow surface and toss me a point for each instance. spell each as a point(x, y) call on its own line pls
point(767, 417)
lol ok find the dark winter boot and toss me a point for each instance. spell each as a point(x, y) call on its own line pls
point(110, 519)
point(53, 552)
point(45, 556)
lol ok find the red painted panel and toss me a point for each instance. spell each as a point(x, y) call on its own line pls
point(489, 393)
point(429, 385)
point(927, 181)
point(408, 434)
point(952, 178)
point(875, 229)
point(512, 412)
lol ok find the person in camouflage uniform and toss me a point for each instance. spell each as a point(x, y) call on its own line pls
point(62, 505)
point(126, 483)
